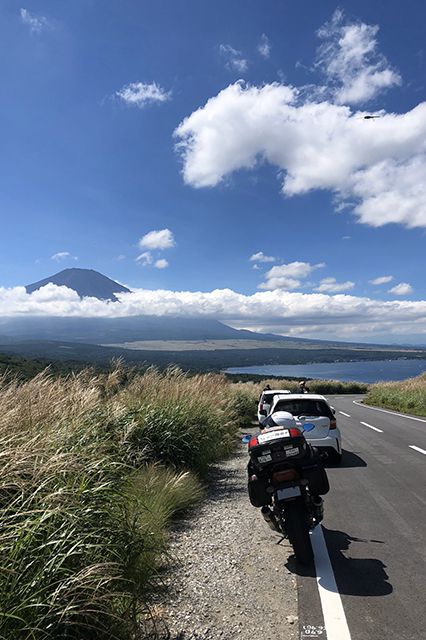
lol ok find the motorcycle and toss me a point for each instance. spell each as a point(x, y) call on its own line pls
point(286, 480)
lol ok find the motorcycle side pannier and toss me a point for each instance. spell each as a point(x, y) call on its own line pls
point(257, 492)
point(317, 478)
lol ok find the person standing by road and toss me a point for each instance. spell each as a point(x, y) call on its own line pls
point(302, 387)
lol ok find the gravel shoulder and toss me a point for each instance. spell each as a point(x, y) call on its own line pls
point(228, 576)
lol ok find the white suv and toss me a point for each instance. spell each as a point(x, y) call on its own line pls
point(265, 401)
point(313, 409)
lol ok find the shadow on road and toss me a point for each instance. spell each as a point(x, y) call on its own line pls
point(349, 459)
point(356, 576)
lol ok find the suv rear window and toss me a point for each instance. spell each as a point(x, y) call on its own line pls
point(267, 398)
point(304, 407)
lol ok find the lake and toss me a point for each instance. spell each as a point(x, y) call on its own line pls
point(367, 371)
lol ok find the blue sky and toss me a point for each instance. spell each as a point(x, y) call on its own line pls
point(92, 93)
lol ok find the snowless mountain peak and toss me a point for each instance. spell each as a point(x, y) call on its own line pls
point(86, 282)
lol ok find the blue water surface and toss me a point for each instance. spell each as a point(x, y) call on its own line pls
point(368, 371)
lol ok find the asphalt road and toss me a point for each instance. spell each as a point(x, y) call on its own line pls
point(375, 533)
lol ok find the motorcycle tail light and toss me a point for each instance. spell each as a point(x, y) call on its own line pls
point(285, 475)
point(253, 442)
point(333, 424)
point(295, 433)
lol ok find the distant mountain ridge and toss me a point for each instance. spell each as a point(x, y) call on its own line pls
point(86, 282)
point(126, 329)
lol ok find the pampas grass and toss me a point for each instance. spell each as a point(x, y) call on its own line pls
point(93, 468)
point(407, 396)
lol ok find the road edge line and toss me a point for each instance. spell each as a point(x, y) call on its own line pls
point(333, 612)
point(393, 413)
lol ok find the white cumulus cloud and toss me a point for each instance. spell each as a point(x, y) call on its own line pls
point(145, 258)
point(161, 239)
point(36, 24)
point(381, 280)
point(378, 166)
point(349, 57)
point(330, 285)
point(141, 94)
point(402, 289)
point(161, 264)
point(260, 257)
point(264, 46)
point(63, 255)
point(288, 276)
point(234, 58)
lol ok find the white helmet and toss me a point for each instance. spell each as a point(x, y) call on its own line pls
point(283, 419)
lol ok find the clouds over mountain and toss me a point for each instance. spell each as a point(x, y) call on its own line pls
point(343, 316)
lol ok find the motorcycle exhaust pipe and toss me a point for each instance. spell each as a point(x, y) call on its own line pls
point(270, 518)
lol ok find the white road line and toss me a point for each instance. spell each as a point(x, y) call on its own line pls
point(331, 603)
point(393, 413)
point(412, 446)
point(345, 414)
point(371, 427)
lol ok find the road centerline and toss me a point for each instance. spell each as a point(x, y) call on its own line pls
point(370, 426)
point(331, 603)
point(413, 446)
point(345, 414)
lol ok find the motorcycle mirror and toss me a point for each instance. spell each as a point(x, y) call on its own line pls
point(308, 426)
point(246, 439)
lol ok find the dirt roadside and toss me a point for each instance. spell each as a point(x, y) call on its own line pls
point(229, 579)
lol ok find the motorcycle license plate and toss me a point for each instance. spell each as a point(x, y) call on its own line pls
point(288, 492)
point(292, 452)
point(266, 458)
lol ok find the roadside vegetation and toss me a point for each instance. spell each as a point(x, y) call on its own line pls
point(93, 469)
point(292, 384)
point(407, 396)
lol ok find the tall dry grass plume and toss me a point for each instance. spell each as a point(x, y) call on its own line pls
point(93, 468)
point(407, 396)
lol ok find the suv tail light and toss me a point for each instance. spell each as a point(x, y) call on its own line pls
point(285, 476)
point(295, 433)
point(333, 424)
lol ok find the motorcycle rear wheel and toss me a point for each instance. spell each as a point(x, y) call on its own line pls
point(297, 528)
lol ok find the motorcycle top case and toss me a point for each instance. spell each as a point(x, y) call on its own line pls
point(274, 446)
